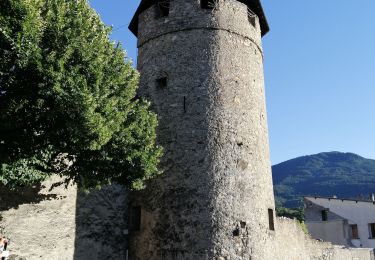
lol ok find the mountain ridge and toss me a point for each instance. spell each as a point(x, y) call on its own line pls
point(327, 174)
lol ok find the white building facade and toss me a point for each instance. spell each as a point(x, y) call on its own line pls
point(341, 221)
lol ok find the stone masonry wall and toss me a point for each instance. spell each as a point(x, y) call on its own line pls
point(216, 191)
point(291, 243)
point(47, 230)
point(214, 198)
point(61, 224)
point(203, 72)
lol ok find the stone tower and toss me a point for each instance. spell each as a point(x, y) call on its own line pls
point(201, 66)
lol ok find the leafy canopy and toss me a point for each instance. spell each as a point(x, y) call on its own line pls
point(67, 99)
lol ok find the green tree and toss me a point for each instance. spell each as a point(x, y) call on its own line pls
point(295, 213)
point(67, 99)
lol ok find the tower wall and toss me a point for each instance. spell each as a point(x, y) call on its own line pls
point(213, 200)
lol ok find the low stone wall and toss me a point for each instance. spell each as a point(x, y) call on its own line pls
point(55, 223)
point(63, 224)
point(291, 243)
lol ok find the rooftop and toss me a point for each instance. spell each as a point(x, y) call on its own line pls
point(334, 198)
point(254, 5)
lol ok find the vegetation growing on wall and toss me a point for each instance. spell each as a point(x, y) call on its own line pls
point(297, 213)
point(67, 99)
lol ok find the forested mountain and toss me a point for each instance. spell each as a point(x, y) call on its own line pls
point(345, 175)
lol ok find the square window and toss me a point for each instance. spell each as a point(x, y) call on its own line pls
point(354, 231)
point(161, 82)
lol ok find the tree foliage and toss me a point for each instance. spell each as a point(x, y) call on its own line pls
point(296, 213)
point(67, 99)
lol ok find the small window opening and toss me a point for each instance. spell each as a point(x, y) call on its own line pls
point(163, 7)
point(372, 230)
point(325, 215)
point(162, 82)
point(251, 16)
point(135, 218)
point(354, 231)
point(236, 232)
point(207, 4)
point(271, 219)
point(184, 104)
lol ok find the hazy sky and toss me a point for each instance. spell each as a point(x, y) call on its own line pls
point(319, 70)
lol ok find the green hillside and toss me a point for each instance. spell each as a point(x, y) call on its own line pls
point(345, 175)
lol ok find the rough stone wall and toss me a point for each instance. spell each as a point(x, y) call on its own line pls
point(61, 224)
point(102, 224)
point(213, 200)
point(291, 243)
point(214, 197)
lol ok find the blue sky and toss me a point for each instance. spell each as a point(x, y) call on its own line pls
point(319, 69)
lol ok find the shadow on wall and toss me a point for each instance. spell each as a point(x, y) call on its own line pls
point(101, 224)
point(51, 221)
point(12, 199)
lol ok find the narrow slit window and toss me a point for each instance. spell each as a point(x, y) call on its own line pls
point(163, 7)
point(207, 4)
point(354, 231)
point(162, 82)
point(325, 215)
point(135, 218)
point(271, 219)
point(372, 230)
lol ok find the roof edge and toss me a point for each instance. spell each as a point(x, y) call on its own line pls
point(331, 198)
point(254, 5)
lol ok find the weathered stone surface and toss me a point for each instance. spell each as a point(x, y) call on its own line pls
point(291, 243)
point(40, 229)
point(214, 197)
point(61, 224)
point(102, 224)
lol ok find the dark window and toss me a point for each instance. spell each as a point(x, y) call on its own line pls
point(184, 104)
point(207, 4)
point(372, 230)
point(354, 230)
point(251, 16)
point(325, 215)
point(163, 8)
point(271, 219)
point(243, 224)
point(135, 218)
point(161, 82)
point(236, 232)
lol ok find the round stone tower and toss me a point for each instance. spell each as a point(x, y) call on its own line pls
point(201, 66)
